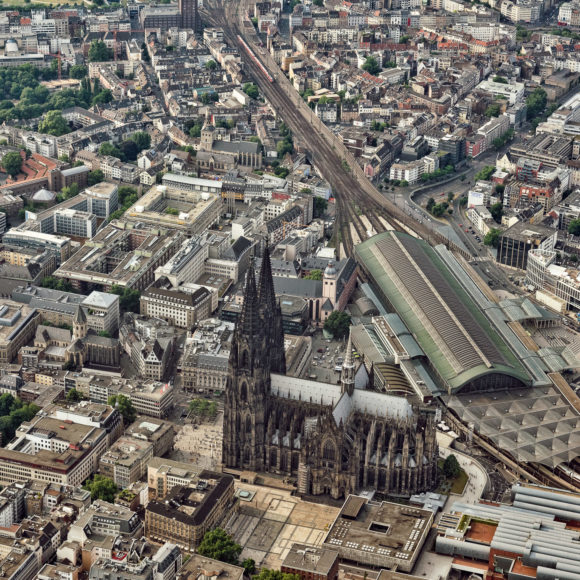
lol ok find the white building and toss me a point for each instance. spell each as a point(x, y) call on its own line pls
point(481, 218)
point(513, 92)
point(409, 172)
point(545, 275)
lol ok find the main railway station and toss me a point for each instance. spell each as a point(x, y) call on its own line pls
point(488, 370)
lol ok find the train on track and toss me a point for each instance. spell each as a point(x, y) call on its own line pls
point(256, 60)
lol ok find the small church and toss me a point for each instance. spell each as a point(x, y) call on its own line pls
point(87, 348)
point(331, 439)
point(218, 154)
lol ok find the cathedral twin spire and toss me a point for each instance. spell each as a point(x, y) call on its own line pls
point(261, 317)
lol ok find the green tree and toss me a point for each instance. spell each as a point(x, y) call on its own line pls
point(451, 466)
point(129, 150)
point(195, 131)
point(314, 275)
point(251, 90)
point(492, 237)
point(142, 139)
point(430, 204)
point(319, 3)
point(320, 205)
point(13, 412)
point(128, 298)
point(54, 124)
point(171, 211)
point(56, 284)
point(485, 173)
point(338, 324)
point(285, 146)
point(266, 574)
point(101, 487)
point(248, 564)
point(371, 65)
point(110, 149)
point(493, 110)
point(496, 211)
point(439, 209)
point(124, 406)
point(104, 333)
point(102, 97)
point(211, 65)
point(219, 545)
point(68, 191)
point(74, 396)
point(98, 52)
point(501, 80)
point(574, 227)
point(536, 103)
point(95, 176)
point(78, 71)
point(12, 163)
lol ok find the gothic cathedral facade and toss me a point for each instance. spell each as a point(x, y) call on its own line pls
point(333, 439)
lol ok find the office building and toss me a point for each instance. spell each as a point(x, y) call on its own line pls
point(120, 254)
point(182, 203)
point(187, 513)
point(60, 246)
point(181, 309)
point(51, 450)
point(125, 462)
point(157, 432)
point(18, 323)
point(379, 534)
point(516, 242)
point(311, 563)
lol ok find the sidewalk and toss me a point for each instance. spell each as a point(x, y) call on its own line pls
point(478, 478)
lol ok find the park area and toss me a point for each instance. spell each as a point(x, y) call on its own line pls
point(453, 479)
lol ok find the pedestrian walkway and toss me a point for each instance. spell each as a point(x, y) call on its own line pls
point(477, 482)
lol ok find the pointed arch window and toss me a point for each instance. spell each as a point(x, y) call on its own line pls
point(329, 451)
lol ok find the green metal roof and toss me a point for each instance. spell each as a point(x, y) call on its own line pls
point(501, 357)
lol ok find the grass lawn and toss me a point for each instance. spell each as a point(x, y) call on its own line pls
point(449, 485)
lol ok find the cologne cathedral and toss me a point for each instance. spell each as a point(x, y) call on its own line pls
point(332, 439)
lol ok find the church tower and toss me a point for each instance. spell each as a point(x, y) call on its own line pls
point(248, 385)
point(272, 314)
point(79, 324)
point(347, 375)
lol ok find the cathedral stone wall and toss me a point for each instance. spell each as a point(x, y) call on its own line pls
point(301, 438)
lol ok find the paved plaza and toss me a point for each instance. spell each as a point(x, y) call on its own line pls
point(268, 525)
point(201, 444)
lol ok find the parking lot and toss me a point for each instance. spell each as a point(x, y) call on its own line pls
point(327, 356)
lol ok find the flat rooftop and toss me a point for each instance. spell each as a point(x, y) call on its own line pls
point(13, 316)
point(118, 254)
point(172, 208)
point(385, 529)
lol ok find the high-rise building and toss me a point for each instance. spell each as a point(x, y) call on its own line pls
point(189, 15)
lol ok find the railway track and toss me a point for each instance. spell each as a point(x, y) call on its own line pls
point(354, 196)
